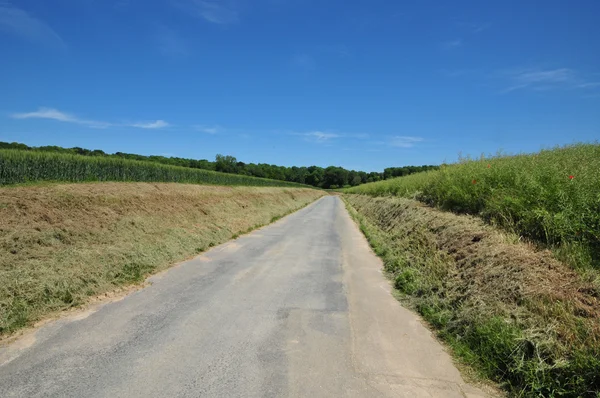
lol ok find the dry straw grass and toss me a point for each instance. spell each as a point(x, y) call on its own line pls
point(60, 244)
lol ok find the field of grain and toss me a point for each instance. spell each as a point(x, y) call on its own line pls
point(17, 167)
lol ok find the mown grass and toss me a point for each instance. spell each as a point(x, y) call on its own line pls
point(551, 197)
point(514, 315)
point(19, 167)
point(62, 243)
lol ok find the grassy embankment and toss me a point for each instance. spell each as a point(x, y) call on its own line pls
point(504, 304)
point(17, 167)
point(551, 197)
point(62, 243)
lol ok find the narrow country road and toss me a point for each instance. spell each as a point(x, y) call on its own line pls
point(296, 309)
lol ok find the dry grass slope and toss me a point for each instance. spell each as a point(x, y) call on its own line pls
point(60, 244)
point(522, 317)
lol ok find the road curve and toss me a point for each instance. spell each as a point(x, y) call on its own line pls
point(296, 309)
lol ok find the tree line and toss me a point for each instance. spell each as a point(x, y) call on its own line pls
point(331, 177)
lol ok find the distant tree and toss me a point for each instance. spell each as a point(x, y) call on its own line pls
point(225, 164)
point(82, 151)
point(98, 152)
point(315, 176)
point(335, 176)
point(14, 145)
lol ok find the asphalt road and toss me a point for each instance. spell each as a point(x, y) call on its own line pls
point(297, 309)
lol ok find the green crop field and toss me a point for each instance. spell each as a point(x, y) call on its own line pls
point(23, 166)
point(551, 197)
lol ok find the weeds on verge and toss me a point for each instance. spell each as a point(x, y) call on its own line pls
point(516, 316)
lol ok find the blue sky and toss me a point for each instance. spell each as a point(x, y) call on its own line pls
point(361, 84)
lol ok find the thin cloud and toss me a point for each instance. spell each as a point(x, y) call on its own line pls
point(324, 136)
point(304, 61)
point(474, 28)
point(18, 22)
point(400, 141)
point(545, 79)
point(158, 124)
point(122, 4)
point(209, 129)
point(321, 136)
point(452, 44)
point(170, 44)
point(341, 51)
point(478, 28)
point(455, 73)
point(54, 114)
point(589, 85)
point(213, 11)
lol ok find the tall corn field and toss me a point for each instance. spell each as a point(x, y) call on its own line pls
point(24, 166)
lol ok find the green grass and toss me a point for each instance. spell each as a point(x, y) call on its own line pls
point(552, 197)
point(22, 167)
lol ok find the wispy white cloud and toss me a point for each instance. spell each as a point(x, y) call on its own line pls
point(320, 137)
point(122, 4)
point(304, 61)
point(45, 113)
point(209, 129)
point(171, 44)
point(545, 79)
point(531, 79)
point(18, 22)
point(480, 27)
point(401, 141)
point(341, 51)
point(452, 44)
point(461, 72)
point(214, 11)
point(158, 124)
point(54, 114)
point(589, 85)
point(474, 27)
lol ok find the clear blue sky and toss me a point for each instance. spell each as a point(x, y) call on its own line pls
point(360, 84)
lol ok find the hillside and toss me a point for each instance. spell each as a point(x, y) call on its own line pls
point(60, 244)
